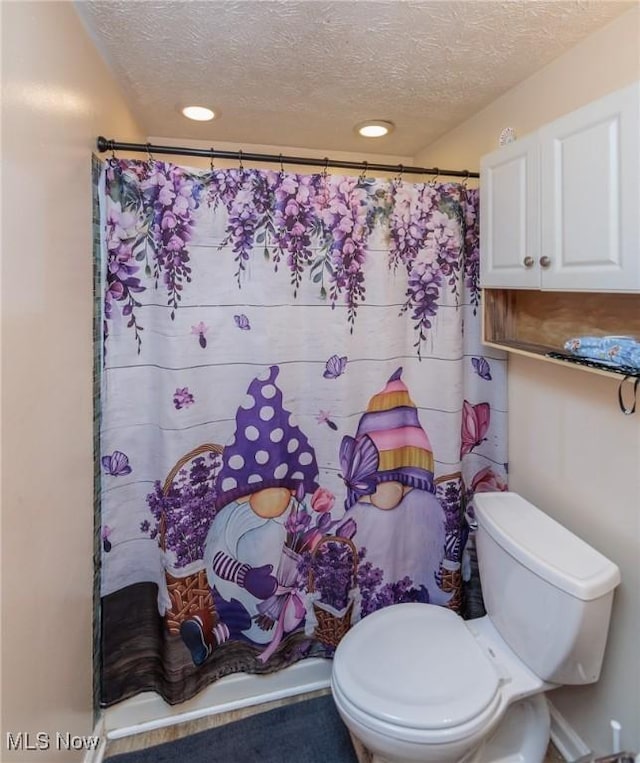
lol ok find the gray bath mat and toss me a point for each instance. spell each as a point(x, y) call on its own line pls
point(305, 732)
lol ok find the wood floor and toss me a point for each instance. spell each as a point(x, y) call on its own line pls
point(177, 731)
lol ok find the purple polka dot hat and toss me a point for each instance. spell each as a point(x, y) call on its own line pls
point(268, 449)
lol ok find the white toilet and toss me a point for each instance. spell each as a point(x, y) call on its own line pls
point(415, 682)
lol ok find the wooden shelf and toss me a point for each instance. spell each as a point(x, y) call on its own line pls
point(532, 323)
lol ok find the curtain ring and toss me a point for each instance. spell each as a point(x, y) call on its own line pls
point(363, 174)
point(241, 166)
point(398, 178)
point(281, 167)
point(325, 170)
point(113, 161)
point(211, 167)
point(623, 408)
point(435, 177)
point(466, 179)
point(150, 155)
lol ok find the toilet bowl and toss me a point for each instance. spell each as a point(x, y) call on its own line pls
point(415, 682)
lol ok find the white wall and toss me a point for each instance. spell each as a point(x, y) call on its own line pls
point(571, 450)
point(57, 97)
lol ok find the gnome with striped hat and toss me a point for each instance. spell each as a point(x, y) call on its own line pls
point(388, 472)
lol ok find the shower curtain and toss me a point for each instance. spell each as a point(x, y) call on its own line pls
point(296, 410)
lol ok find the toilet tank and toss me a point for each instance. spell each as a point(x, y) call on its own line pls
point(547, 592)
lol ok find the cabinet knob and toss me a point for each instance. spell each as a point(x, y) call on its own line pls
point(528, 262)
point(545, 262)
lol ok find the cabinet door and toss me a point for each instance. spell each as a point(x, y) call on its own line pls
point(509, 216)
point(589, 178)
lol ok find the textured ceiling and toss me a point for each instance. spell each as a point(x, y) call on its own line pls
point(303, 73)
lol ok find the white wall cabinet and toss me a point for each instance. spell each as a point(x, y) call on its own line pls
point(510, 215)
point(560, 208)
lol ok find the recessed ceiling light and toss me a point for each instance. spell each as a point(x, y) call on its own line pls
point(374, 128)
point(199, 113)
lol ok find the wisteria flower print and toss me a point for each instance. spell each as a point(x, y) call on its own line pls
point(430, 243)
point(182, 398)
point(347, 219)
point(423, 291)
point(248, 198)
point(319, 226)
point(470, 206)
point(443, 243)
point(294, 223)
point(122, 283)
point(170, 197)
point(410, 208)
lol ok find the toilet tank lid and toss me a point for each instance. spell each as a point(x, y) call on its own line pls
point(544, 546)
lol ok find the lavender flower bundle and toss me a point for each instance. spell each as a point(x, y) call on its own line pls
point(332, 567)
point(187, 509)
point(376, 594)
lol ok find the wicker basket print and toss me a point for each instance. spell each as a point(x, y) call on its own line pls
point(451, 582)
point(189, 594)
point(332, 626)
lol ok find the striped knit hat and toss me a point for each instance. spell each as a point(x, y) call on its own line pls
point(267, 449)
point(404, 450)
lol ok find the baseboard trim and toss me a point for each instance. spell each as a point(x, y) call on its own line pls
point(148, 711)
point(566, 739)
point(97, 755)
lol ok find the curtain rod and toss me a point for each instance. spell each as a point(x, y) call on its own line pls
point(210, 153)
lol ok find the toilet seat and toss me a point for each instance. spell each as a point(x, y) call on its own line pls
point(391, 675)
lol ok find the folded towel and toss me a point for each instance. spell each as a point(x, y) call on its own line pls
point(610, 350)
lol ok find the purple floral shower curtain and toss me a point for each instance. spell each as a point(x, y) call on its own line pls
point(296, 411)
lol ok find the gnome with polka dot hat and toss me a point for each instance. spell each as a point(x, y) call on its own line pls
point(268, 461)
point(388, 471)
